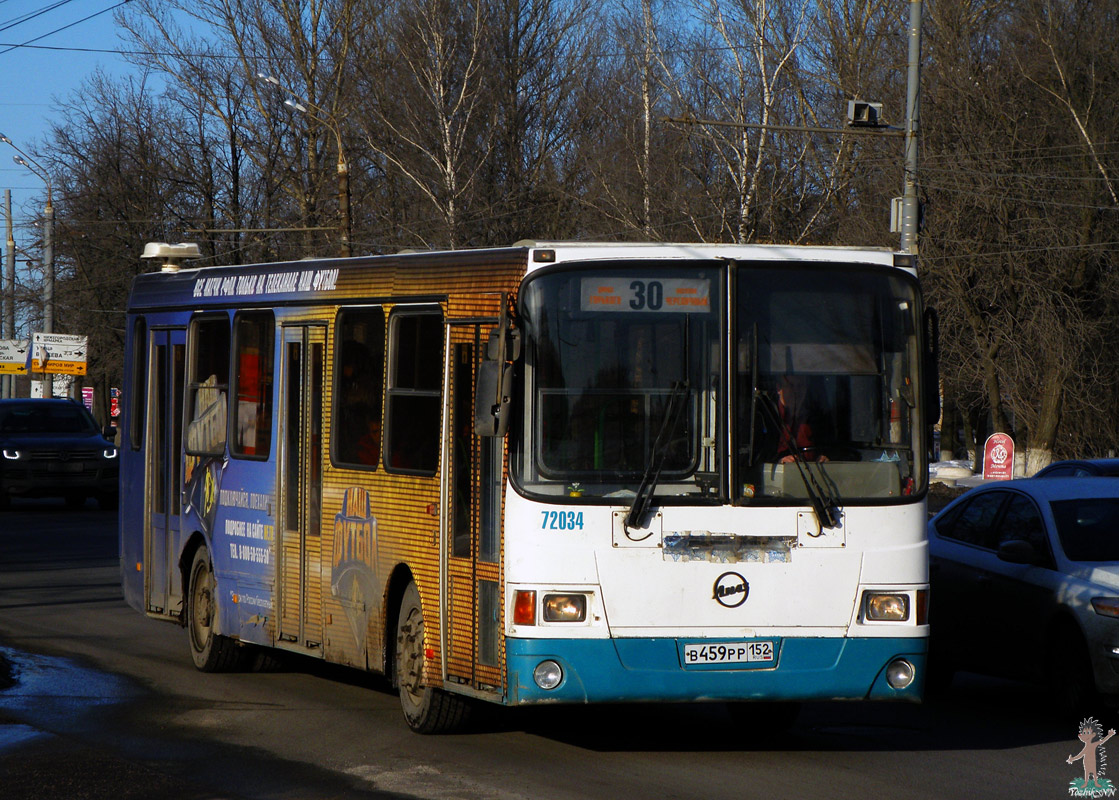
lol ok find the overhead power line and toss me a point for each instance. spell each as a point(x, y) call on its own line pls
point(28, 43)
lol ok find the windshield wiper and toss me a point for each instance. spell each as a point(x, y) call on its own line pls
point(751, 450)
point(824, 503)
point(669, 421)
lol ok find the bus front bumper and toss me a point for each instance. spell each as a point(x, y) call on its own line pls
point(651, 670)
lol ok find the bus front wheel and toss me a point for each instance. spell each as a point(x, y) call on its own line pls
point(427, 710)
point(211, 651)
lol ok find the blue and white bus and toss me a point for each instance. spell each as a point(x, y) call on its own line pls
point(548, 473)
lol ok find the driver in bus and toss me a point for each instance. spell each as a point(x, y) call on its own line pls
point(794, 409)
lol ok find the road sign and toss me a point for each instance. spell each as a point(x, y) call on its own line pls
point(998, 457)
point(59, 353)
point(13, 356)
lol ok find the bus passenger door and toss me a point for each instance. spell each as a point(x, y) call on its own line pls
point(163, 589)
point(299, 488)
point(472, 495)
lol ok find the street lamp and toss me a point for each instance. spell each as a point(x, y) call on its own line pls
point(26, 161)
point(324, 117)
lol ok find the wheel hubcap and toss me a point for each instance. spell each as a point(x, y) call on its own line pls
point(203, 606)
point(411, 655)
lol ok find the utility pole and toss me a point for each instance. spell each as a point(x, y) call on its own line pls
point(7, 387)
point(35, 168)
point(910, 205)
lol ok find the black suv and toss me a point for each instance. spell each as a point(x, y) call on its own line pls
point(53, 448)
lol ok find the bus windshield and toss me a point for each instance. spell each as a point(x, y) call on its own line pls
point(622, 370)
point(624, 380)
point(826, 384)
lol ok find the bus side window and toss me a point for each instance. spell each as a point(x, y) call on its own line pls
point(253, 342)
point(359, 383)
point(414, 391)
point(208, 386)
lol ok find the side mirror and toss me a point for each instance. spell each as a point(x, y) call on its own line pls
point(494, 380)
point(505, 347)
point(493, 398)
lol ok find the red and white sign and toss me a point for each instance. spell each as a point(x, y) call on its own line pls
point(998, 458)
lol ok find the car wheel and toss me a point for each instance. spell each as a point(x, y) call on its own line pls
point(1072, 686)
point(427, 710)
point(211, 651)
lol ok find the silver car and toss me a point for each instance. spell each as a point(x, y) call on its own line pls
point(1025, 584)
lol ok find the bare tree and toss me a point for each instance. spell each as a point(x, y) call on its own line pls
point(426, 112)
point(536, 55)
point(1017, 251)
point(304, 47)
point(111, 197)
point(759, 41)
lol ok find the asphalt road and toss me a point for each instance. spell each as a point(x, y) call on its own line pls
point(104, 703)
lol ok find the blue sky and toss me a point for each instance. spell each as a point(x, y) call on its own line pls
point(47, 48)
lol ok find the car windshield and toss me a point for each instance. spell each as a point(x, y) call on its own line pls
point(38, 419)
point(1087, 526)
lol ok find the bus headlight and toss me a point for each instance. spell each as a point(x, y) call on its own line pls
point(886, 607)
point(548, 674)
point(565, 607)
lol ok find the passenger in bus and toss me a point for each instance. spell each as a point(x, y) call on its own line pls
point(369, 445)
point(797, 432)
point(354, 382)
point(359, 434)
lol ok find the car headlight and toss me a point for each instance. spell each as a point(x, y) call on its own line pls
point(109, 452)
point(1106, 606)
point(12, 455)
point(886, 606)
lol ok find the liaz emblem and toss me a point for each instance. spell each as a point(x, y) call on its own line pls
point(731, 590)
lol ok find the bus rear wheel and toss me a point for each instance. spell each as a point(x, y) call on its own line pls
point(427, 710)
point(211, 651)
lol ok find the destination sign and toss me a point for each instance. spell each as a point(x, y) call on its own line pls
point(628, 294)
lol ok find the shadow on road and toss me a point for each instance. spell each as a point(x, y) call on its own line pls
point(976, 713)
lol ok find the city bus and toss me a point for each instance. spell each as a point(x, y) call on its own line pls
point(545, 473)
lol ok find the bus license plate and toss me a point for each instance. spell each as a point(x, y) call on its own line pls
point(752, 653)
